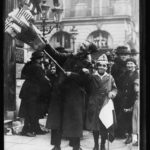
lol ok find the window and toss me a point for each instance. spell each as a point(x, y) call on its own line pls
point(78, 8)
point(61, 39)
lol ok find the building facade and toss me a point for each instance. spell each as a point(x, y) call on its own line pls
point(107, 23)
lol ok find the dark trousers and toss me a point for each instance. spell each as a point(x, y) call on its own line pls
point(103, 132)
point(31, 121)
point(56, 136)
point(96, 138)
point(125, 123)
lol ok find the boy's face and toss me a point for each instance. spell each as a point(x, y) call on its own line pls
point(101, 67)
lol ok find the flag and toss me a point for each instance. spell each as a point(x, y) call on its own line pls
point(19, 25)
point(108, 118)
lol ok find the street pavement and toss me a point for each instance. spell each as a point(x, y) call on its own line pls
point(42, 142)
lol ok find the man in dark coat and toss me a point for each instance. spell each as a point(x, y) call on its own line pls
point(65, 116)
point(117, 70)
point(33, 94)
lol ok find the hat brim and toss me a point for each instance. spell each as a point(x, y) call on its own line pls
point(102, 61)
point(34, 58)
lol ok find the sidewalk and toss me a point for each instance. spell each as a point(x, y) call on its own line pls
point(42, 142)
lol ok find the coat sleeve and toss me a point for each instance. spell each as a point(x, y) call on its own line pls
point(113, 86)
point(59, 57)
point(39, 75)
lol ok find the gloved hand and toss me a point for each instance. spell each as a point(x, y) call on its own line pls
point(85, 70)
point(111, 95)
point(67, 73)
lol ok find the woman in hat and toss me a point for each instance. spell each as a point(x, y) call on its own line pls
point(127, 100)
point(117, 70)
point(103, 88)
point(33, 93)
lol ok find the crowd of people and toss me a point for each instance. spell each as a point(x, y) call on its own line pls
point(73, 99)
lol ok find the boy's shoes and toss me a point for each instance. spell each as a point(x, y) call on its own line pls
point(102, 147)
point(135, 144)
point(41, 132)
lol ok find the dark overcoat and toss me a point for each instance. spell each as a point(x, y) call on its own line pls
point(127, 100)
point(34, 91)
point(68, 97)
point(117, 71)
point(99, 94)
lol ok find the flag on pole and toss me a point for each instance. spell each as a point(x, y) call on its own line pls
point(19, 25)
point(108, 118)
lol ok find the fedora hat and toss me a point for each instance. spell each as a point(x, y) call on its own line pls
point(122, 50)
point(37, 55)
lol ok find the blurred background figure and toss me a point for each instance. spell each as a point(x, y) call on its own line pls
point(52, 73)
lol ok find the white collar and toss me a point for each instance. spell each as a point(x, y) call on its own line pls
point(101, 76)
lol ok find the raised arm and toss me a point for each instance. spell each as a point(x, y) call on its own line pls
point(59, 57)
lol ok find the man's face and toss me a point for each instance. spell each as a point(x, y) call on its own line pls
point(130, 66)
point(123, 57)
point(40, 60)
point(89, 58)
point(101, 67)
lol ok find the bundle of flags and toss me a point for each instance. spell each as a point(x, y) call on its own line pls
point(108, 118)
point(19, 25)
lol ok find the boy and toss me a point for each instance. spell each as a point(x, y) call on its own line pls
point(102, 89)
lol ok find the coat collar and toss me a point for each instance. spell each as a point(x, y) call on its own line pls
point(101, 76)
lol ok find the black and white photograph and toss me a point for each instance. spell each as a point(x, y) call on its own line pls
point(72, 75)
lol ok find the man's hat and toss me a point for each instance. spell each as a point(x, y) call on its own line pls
point(102, 58)
point(37, 55)
point(89, 47)
point(134, 51)
point(122, 50)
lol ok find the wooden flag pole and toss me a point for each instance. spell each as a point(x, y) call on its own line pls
point(108, 140)
point(55, 62)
